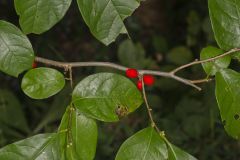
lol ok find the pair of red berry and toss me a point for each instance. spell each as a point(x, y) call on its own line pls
point(147, 79)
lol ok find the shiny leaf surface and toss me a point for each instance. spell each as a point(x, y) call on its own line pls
point(42, 83)
point(106, 96)
point(40, 147)
point(228, 98)
point(38, 16)
point(105, 17)
point(212, 67)
point(16, 53)
point(225, 19)
point(144, 145)
point(78, 136)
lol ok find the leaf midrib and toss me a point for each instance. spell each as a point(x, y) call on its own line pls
point(149, 143)
point(42, 148)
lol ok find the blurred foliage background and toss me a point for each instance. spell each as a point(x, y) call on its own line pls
point(164, 35)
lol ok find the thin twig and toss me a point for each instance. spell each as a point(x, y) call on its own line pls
point(80, 64)
point(205, 61)
point(205, 80)
point(115, 66)
point(171, 74)
point(149, 109)
point(70, 76)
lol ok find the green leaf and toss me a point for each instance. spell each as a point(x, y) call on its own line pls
point(228, 99)
point(145, 145)
point(78, 139)
point(16, 53)
point(43, 146)
point(225, 19)
point(42, 83)
point(175, 153)
point(38, 16)
point(11, 113)
point(180, 55)
point(212, 67)
point(105, 17)
point(106, 96)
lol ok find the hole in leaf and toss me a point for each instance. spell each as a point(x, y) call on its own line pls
point(121, 111)
point(236, 116)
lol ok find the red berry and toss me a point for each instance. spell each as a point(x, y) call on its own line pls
point(34, 65)
point(139, 85)
point(148, 80)
point(132, 73)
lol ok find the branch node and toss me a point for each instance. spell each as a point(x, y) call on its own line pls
point(162, 134)
point(153, 125)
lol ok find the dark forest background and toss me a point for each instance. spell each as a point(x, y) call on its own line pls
point(164, 35)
